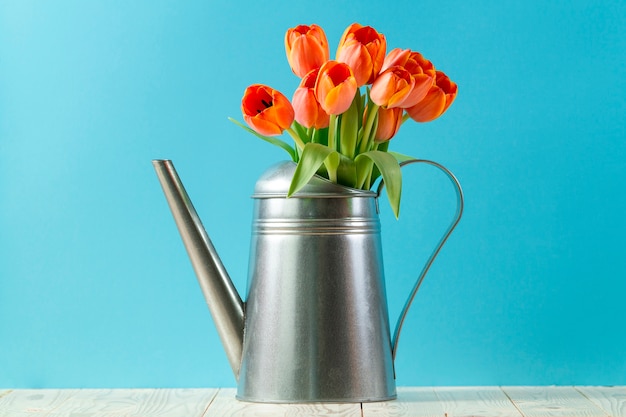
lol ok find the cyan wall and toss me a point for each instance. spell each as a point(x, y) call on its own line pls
point(95, 286)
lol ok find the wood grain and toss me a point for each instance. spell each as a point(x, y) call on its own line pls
point(32, 402)
point(611, 399)
point(476, 401)
point(225, 405)
point(552, 401)
point(414, 402)
point(137, 402)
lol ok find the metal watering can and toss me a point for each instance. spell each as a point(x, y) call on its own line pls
point(314, 327)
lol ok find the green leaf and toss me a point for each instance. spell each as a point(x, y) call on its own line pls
point(363, 171)
point(346, 172)
point(390, 170)
point(332, 162)
point(401, 157)
point(313, 156)
point(274, 141)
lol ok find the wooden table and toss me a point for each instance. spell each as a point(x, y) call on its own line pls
point(423, 401)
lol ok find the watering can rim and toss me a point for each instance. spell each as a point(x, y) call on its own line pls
point(275, 182)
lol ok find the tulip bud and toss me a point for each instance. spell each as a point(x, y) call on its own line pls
point(363, 49)
point(389, 122)
point(308, 111)
point(307, 48)
point(439, 98)
point(267, 111)
point(335, 87)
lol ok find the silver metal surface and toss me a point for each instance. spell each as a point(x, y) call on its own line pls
point(221, 296)
point(316, 321)
point(317, 327)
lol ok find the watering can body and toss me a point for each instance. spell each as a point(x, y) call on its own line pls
point(314, 326)
point(316, 322)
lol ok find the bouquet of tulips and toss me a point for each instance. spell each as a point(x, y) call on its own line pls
point(339, 131)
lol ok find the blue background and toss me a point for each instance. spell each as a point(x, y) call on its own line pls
point(96, 289)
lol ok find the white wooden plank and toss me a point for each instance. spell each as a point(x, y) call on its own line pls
point(137, 403)
point(414, 402)
point(226, 405)
point(552, 401)
point(475, 401)
point(4, 393)
point(611, 399)
point(33, 402)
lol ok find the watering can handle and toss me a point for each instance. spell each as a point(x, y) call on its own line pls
point(457, 218)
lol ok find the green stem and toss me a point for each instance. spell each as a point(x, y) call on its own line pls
point(366, 141)
point(296, 138)
point(332, 127)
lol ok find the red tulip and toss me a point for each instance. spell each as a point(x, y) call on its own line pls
point(307, 48)
point(266, 110)
point(363, 48)
point(392, 88)
point(335, 87)
point(439, 98)
point(421, 70)
point(308, 111)
point(389, 122)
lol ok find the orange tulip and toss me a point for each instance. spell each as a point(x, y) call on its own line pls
point(308, 111)
point(392, 88)
point(363, 48)
point(307, 48)
point(267, 111)
point(389, 122)
point(439, 98)
point(408, 59)
point(335, 87)
point(421, 70)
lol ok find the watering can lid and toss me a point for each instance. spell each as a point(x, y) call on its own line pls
point(275, 182)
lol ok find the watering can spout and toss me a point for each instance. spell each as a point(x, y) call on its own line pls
point(225, 304)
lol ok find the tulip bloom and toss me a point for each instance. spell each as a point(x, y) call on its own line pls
point(307, 48)
point(335, 87)
point(439, 98)
point(389, 122)
point(392, 88)
point(267, 111)
point(363, 48)
point(408, 59)
point(421, 70)
point(308, 111)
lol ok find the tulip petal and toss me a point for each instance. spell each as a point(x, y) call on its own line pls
point(263, 126)
point(430, 107)
point(423, 83)
point(338, 99)
point(389, 122)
